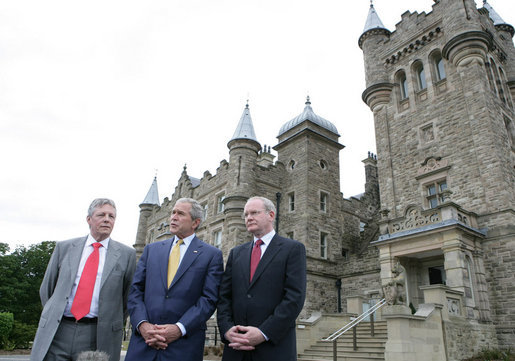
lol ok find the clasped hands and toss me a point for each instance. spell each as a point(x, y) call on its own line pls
point(159, 336)
point(244, 338)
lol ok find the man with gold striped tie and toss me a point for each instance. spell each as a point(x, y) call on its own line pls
point(175, 291)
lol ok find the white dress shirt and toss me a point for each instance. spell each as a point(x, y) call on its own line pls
point(87, 250)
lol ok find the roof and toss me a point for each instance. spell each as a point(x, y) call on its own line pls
point(152, 195)
point(308, 114)
point(245, 128)
point(493, 14)
point(373, 21)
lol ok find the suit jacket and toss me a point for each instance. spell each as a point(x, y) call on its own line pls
point(190, 299)
point(57, 284)
point(271, 302)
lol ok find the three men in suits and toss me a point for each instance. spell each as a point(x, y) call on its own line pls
point(63, 332)
point(168, 305)
point(262, 291)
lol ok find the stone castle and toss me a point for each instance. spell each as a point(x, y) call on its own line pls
point(439, 196)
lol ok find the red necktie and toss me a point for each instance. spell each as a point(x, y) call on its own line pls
point(82, 301)
point(255, 257)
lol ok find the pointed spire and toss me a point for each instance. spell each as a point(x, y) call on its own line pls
point(152, 195)
point(373, 26)
point(373, 21)
point(245, 128)
point(497, 20)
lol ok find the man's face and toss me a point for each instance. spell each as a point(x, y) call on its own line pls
point(181, 223)
point(258, 221)
point(101, 223)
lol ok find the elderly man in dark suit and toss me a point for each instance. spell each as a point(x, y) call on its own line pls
point(262, 291)
point(175, 291)
point(84, 292)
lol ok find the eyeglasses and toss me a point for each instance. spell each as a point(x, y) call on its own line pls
point(252, 213)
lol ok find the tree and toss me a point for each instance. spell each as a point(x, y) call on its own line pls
point(21, 273)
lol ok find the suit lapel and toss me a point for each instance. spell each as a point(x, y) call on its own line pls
point(164, 255)
point(271, 251)
point(194, 250)
point(74, 257)
point(244, 260)
point(112, 255)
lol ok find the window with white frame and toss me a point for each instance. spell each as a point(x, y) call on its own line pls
point(323, 245)
point(217, 239)
point(204, 211)
point(291, 202)
point(436, 193)
point(323, 201)
point(220, 203)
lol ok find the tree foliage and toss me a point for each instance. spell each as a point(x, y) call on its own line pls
point(21, 273)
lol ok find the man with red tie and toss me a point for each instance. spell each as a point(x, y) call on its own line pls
point(262, 291)
point(84, 292)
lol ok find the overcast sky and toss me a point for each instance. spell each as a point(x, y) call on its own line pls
point(97, 95)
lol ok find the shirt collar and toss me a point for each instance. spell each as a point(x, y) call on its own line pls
point(91, 240)
point(267, 238)
point(186, 240)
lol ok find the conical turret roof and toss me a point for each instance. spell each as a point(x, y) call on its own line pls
point(493, 14)
point(245, 128)
point(152, 195)
point(373, 21)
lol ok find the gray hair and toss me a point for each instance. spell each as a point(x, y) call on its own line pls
point(93, 355)
point(269, 205)
point(196, 212)
point(99, 202)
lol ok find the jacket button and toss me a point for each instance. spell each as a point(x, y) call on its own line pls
point(249, 296)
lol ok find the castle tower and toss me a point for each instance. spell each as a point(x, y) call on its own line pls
point(243, 154)
point(443, 114)
point(150, 202)
point(311, 199)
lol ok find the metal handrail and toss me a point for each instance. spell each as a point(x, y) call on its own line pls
point(355, 321)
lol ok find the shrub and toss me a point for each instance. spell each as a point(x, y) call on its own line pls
point(6, 325)
point(22, 334)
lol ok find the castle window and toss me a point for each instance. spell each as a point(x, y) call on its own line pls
point(289, 235)
point(403, 85)
point(204, 211)
point(291, 165)
point(220, 203)
point(291, 202)
point(510, 128)
point(421, 75)
point(323, 164)
point(323, 245)
point(323, 201)
point(362, 226)
point(437, 193)
point(217, 239)
point(438, 66)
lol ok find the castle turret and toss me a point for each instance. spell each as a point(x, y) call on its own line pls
point(506, 32)
point(379, 87)
point(243, 154)
point(146, 207)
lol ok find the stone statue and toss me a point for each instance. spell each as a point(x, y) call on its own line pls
point(394, 291)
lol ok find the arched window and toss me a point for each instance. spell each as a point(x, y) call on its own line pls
point(500, 91)
point(439, 69)
point(403, 84)
point(420, 75)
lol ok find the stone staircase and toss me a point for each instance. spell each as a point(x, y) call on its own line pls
point(369, 348)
